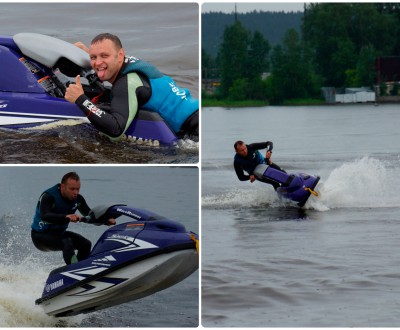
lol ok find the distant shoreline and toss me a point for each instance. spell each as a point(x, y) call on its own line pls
point(210, 102)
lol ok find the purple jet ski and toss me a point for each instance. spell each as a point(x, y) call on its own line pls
point(35, 72)
point(295, 187)
point(145, 254)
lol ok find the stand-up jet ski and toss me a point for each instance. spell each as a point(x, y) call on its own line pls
point(295, 187)
point(35, 70)
point(130, 261)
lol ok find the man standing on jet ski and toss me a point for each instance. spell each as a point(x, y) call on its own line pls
point(247, 158)
point(54, 211)
point(136, 84)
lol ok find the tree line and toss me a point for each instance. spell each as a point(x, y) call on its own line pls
point(337, 46)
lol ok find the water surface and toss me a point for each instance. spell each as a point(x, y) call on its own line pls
point(331, 264)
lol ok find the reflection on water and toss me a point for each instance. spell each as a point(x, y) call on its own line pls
point(257, 215)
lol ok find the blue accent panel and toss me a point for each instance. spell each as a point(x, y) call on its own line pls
point(137, 65)
point(174, 104)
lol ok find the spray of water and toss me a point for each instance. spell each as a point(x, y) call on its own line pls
point(21, 283)
point(365, 182)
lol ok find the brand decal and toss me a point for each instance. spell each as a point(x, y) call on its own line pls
point(2, 106)
point(130, 243)
point(130, 213)
point(123, 238)
point(105, 259)
point(54, 285)
point(82, 273)
point(93, 109)
point(178, 91)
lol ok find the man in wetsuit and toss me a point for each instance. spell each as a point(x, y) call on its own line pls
point(247, 158)
point(54, 211)
point(136, 84)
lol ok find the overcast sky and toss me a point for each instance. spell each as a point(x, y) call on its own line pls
point(243, 7)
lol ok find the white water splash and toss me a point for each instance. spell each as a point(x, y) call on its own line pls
point(21, 283)
point(365, 182)
point(188, 144)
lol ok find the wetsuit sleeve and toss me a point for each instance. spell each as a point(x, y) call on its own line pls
point(111, 122)
point(261, 145)
point(83, 207)
point(240, 173)
point(46, 211)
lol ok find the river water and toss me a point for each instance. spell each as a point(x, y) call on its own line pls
point(172, 192)
point(334, 263)
point(165, 34)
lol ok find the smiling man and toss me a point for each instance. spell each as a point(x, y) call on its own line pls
point(136, 84)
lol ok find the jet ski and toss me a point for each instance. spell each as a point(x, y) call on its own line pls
point(35, 72)
point(130, 261)
point(295, 187)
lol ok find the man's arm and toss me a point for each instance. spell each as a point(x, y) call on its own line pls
point(240, 173)
point(112, 122)
point(261, 145)
point(83, 207)
point(46, 211)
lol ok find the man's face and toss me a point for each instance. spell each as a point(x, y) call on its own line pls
point(241, 149)
point(70, 189)
point(106, 59)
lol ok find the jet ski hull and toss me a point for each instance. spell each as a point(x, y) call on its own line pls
point(126, 284)
point(295, 187)
point(129, 261)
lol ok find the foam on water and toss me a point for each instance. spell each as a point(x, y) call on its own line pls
point(188, 144)
point(363, 183)
point(260, 196)
point(56, 124)
point(21, 283)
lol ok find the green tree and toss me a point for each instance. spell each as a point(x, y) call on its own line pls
point(207, 65)
point(257, 59)
point(292, 74)
point(232, 56)
point(347, 36)
point(242, 59)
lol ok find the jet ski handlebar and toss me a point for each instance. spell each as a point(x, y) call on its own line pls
point(101, 214)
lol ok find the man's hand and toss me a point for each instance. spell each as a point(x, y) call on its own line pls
point(111, 222)
point(82, 46)
point(252, 178)
point(73, 217)
point(74, 90)
point(268, 157)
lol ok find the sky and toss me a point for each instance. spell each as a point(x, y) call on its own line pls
point(243, 7)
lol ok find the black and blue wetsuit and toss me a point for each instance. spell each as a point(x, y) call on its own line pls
point(250, 162)
point(141, 85)
point(49, 226)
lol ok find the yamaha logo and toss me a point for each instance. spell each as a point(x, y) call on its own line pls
point(54, 285)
